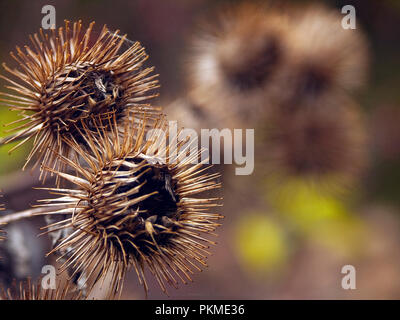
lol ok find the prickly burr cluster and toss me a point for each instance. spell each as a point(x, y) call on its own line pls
point(67, 77)
point(133, 205)
point(288, 71)
point(254, 60)
point(128, 201)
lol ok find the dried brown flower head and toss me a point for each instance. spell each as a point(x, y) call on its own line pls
point(235, 63)
point(67, 77)
point(26, 290)
point(324, 143)
point(323, 57)
point(132, 208)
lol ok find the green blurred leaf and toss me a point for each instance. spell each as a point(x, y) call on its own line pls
point(14, 161)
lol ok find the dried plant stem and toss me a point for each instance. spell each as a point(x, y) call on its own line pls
point(12, 217)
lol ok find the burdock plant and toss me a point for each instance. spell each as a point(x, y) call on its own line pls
point(236, 62)
point(325, 143)
point(67, 77)
point(131, 206)
point(129, 200)
point(323, 57)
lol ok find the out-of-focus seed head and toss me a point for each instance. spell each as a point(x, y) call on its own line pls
point(133, 207)
point(322, 143)
point(67, 77)
point(323, 57)
point(235, 63)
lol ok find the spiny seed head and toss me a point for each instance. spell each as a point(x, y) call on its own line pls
point(133, 207)
point(235, 63)
point(323, 57)
point(66, 78)
point(323, 143)
point(26, 290)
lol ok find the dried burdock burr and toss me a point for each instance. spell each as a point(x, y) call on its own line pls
point(67, 77)
point(324, 144)
point(233, 69)
point(26, 290)
point(323, 57)
point(132, 207)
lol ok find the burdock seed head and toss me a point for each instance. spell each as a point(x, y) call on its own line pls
point(324, 143)
point(235, 63)
point(67, 77)
point(132, 207)
point(323, 57)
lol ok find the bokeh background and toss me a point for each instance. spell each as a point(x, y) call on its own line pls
point(277, 242)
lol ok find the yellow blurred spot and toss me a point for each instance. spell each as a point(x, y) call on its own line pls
point(319, 215)
point(17, 158)
point(260, 243)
